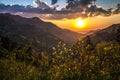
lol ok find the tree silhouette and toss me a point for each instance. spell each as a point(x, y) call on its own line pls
point(118, 35)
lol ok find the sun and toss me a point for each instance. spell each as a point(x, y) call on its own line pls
point(80, 23)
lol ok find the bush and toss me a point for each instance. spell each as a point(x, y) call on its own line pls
point(79, 62)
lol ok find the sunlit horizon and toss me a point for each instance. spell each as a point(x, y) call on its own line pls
point(91, 23)
point(95, 15)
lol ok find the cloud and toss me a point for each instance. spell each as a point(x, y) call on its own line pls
point(41, 4)
point(94, 10)
point(117, 10)
point(76, 3)
point(41, 8)
point(84, 9)
point(54, 2)
point(73, 9)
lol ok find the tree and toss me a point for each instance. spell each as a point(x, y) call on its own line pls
point(118, 35)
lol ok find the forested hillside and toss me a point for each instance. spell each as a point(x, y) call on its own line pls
point(81, 61)
point(32, 52)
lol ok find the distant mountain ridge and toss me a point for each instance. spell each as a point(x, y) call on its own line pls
point(43, 34)
point(107, 34)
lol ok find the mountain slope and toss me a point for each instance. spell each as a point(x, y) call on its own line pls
point(42, 34)
point(107, 34)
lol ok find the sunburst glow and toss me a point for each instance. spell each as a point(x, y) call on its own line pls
point(80, 23)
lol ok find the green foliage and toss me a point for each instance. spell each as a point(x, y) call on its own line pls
point(80, 62)
point(14, 68)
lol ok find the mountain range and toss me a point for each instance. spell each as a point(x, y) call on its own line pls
point(108, 34)
point(44, 35)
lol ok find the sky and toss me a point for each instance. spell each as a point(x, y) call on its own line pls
point(66, 13)
point(104, 3)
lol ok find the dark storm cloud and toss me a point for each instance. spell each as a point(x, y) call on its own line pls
point(76, 3)
point(117, 10)
point(73, 9)
point(86, 2)
point(84, 8)
point(54, 1)
point(93, 10)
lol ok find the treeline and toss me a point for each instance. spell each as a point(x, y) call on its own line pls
point(81, 61)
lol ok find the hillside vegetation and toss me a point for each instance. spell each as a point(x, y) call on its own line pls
point(31, 49)
point(81, 61)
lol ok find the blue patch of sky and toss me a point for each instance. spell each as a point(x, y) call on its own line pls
point(20, 2)
point(107, 3)
point(104, 3)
